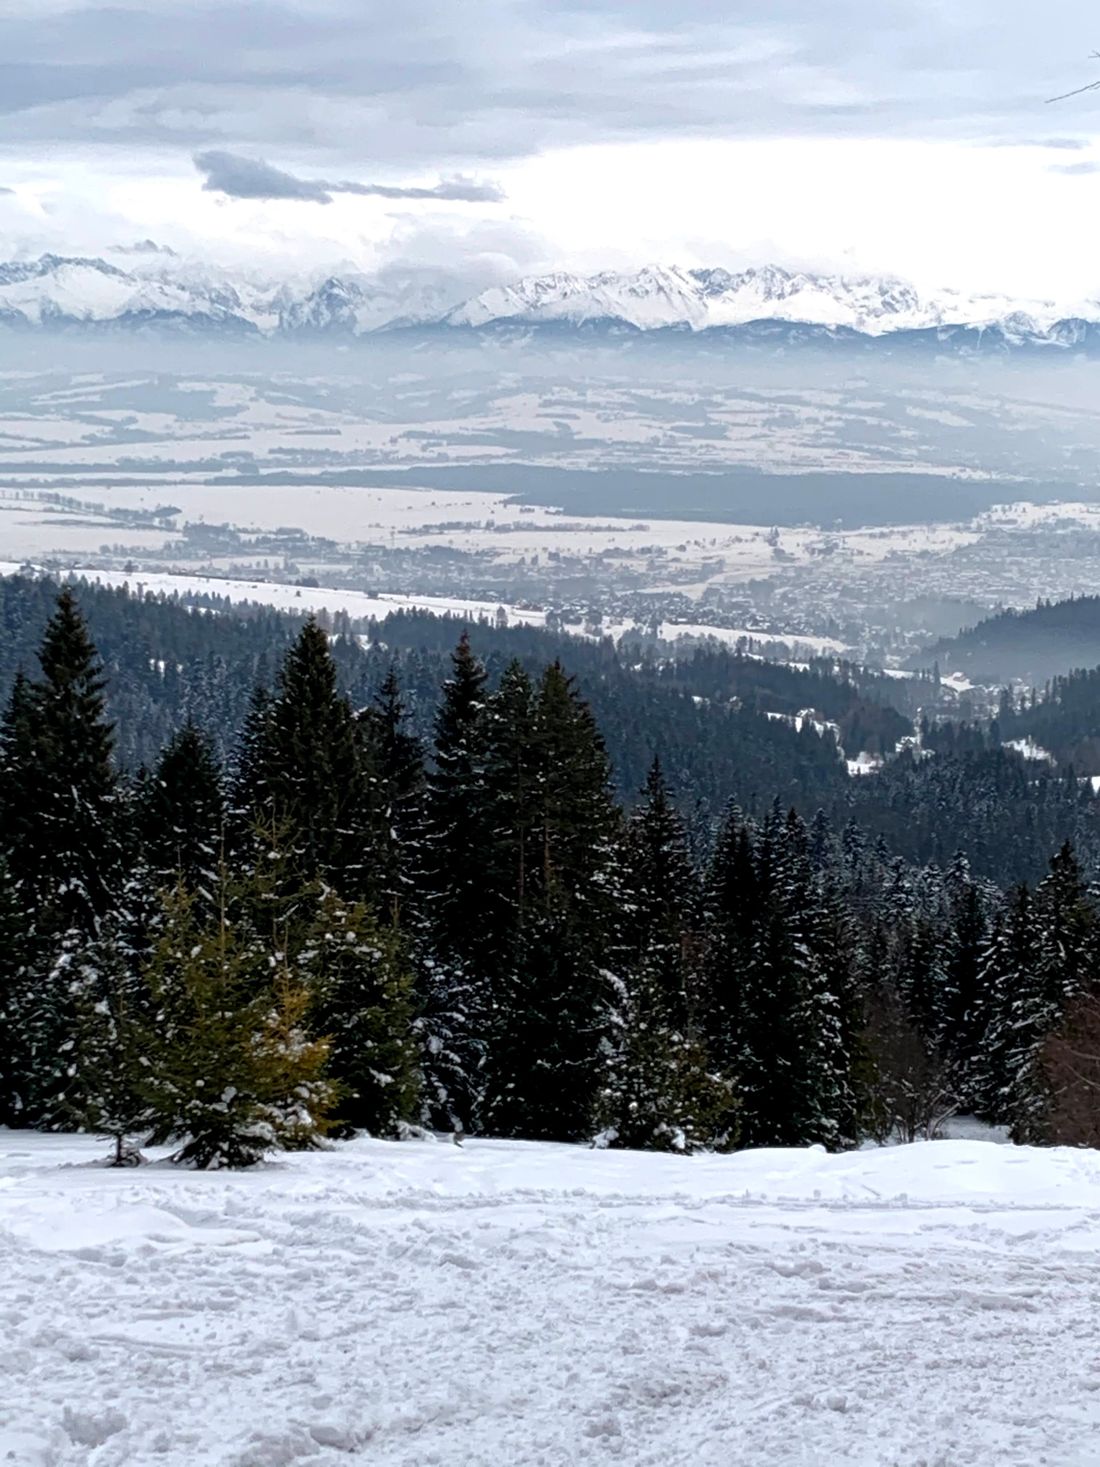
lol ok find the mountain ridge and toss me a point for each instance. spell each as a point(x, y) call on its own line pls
point(761, 305)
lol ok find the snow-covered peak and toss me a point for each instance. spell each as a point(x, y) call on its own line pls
point(152, 287)
point(66, 290)
point(660, 296)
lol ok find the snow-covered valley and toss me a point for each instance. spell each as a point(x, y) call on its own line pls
point(417, 1302)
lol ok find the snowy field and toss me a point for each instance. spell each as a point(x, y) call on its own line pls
point(500, 1303)
point(305, 599)
point(430, 518)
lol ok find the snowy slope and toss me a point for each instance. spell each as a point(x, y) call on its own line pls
point(73, 292)
point(60, 290)
point(152, 289)
point(504, 1304)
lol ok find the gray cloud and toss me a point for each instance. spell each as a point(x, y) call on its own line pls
point(252, 178)
point(1086, 166)
point(143, 247)
point(1060, 144)
point(432, 82)
point(6, 190)
point(457, 190)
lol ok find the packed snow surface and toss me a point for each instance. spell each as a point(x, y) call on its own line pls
point(503, 1303)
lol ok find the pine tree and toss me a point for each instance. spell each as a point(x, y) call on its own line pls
point(787, 978)
point(1008, 983)
point(732, 910)
point(1065, 967)
point(460, 940)
point(772, 1074)
point(112, 1015)
point(661, 1093)
point(59, 834)
point(512, 782)
point(231, 1073)
point(361, 991)
point(908, 1093)
point(15, 1002)
point(295, 1093)
point(961, 1004)
point(300, 771)
point(550, 1052)
point(181, 812)
point(248, 792)
point(459, 830)
point(59, 802)
point(48, 1024)
point(920, 975)
point(393, 760)
point(579, 823)
point(834, 1009)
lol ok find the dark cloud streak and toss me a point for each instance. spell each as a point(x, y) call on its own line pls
point(251, 178)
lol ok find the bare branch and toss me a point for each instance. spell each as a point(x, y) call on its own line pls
point(1079, 91)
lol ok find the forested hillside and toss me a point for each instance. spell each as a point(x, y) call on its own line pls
point(1063, 718)
point(167, 664)
point(1052, 638)
point(347, 927)
point(725, 726)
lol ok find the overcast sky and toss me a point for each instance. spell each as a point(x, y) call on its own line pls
point(491, 137)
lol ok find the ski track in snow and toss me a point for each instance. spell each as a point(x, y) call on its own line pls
point(501, 1303)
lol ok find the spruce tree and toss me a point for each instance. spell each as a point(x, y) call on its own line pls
point(513, 791)
point(59, 834)
point(231, 1073)
point(460, 941)
point(393, 761)
point(59, 805)
point(961, 1005)
point(459, 835)
point(551, 1048)
point(661, 1093)
point(731, 913)
point(781, 951)
point(834, 1000)
point(1001, 1088)
point(361, 1000)
point(248, 793)
point(181, 811)
point(1064, 969)
point(112, 1016)
point(300, 771)
point(16, 1002)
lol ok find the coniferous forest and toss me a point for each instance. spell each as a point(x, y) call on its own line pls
point(347, 919)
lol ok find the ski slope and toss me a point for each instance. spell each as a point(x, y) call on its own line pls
point(502, 1303)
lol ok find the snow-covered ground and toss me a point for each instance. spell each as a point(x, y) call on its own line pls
point(286, 597)
point(928, 1306)
point(415, 518)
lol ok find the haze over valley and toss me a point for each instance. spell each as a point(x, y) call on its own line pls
point(816, 497)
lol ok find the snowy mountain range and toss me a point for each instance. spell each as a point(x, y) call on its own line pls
point(768, 305)
point(658, 296)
